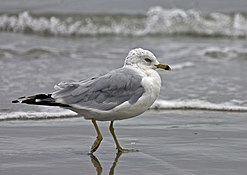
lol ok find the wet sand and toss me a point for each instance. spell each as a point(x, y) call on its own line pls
point(173, 142)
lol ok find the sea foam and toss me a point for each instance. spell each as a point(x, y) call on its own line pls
point(156, 21)
point(197, 104)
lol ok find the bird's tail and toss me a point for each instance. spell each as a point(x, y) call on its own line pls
point(40, 99)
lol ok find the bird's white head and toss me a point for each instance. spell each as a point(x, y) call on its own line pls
point(144, 59)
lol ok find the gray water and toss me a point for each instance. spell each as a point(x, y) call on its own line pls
point(42, 46)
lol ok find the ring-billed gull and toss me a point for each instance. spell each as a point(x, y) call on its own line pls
point(120, 94)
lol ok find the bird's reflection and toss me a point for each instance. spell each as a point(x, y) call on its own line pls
point(98, 167)
point(96, 164)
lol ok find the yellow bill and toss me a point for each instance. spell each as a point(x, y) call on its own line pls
point(163, 66)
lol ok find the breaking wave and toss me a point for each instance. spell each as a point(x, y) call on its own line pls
point(157, 21)
point(57, 113)
point(197, 104)
point(37, 115)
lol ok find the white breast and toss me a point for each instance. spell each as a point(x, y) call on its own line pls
point(151, 83)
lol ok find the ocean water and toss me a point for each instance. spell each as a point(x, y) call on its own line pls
point(206, 51)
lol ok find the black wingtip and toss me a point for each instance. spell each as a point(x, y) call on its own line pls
point(40, 99)
point(19, 100)
point(15, 101)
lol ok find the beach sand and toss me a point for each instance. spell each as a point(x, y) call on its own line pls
point(169, 142)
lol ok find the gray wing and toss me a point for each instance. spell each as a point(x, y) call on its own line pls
point(103, 92)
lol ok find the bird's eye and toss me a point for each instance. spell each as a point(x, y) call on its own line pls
point(148, 60)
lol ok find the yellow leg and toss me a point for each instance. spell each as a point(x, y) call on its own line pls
point(119, 148)
point(98, 139)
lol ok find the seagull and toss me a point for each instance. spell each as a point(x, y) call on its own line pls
point(120, 94)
